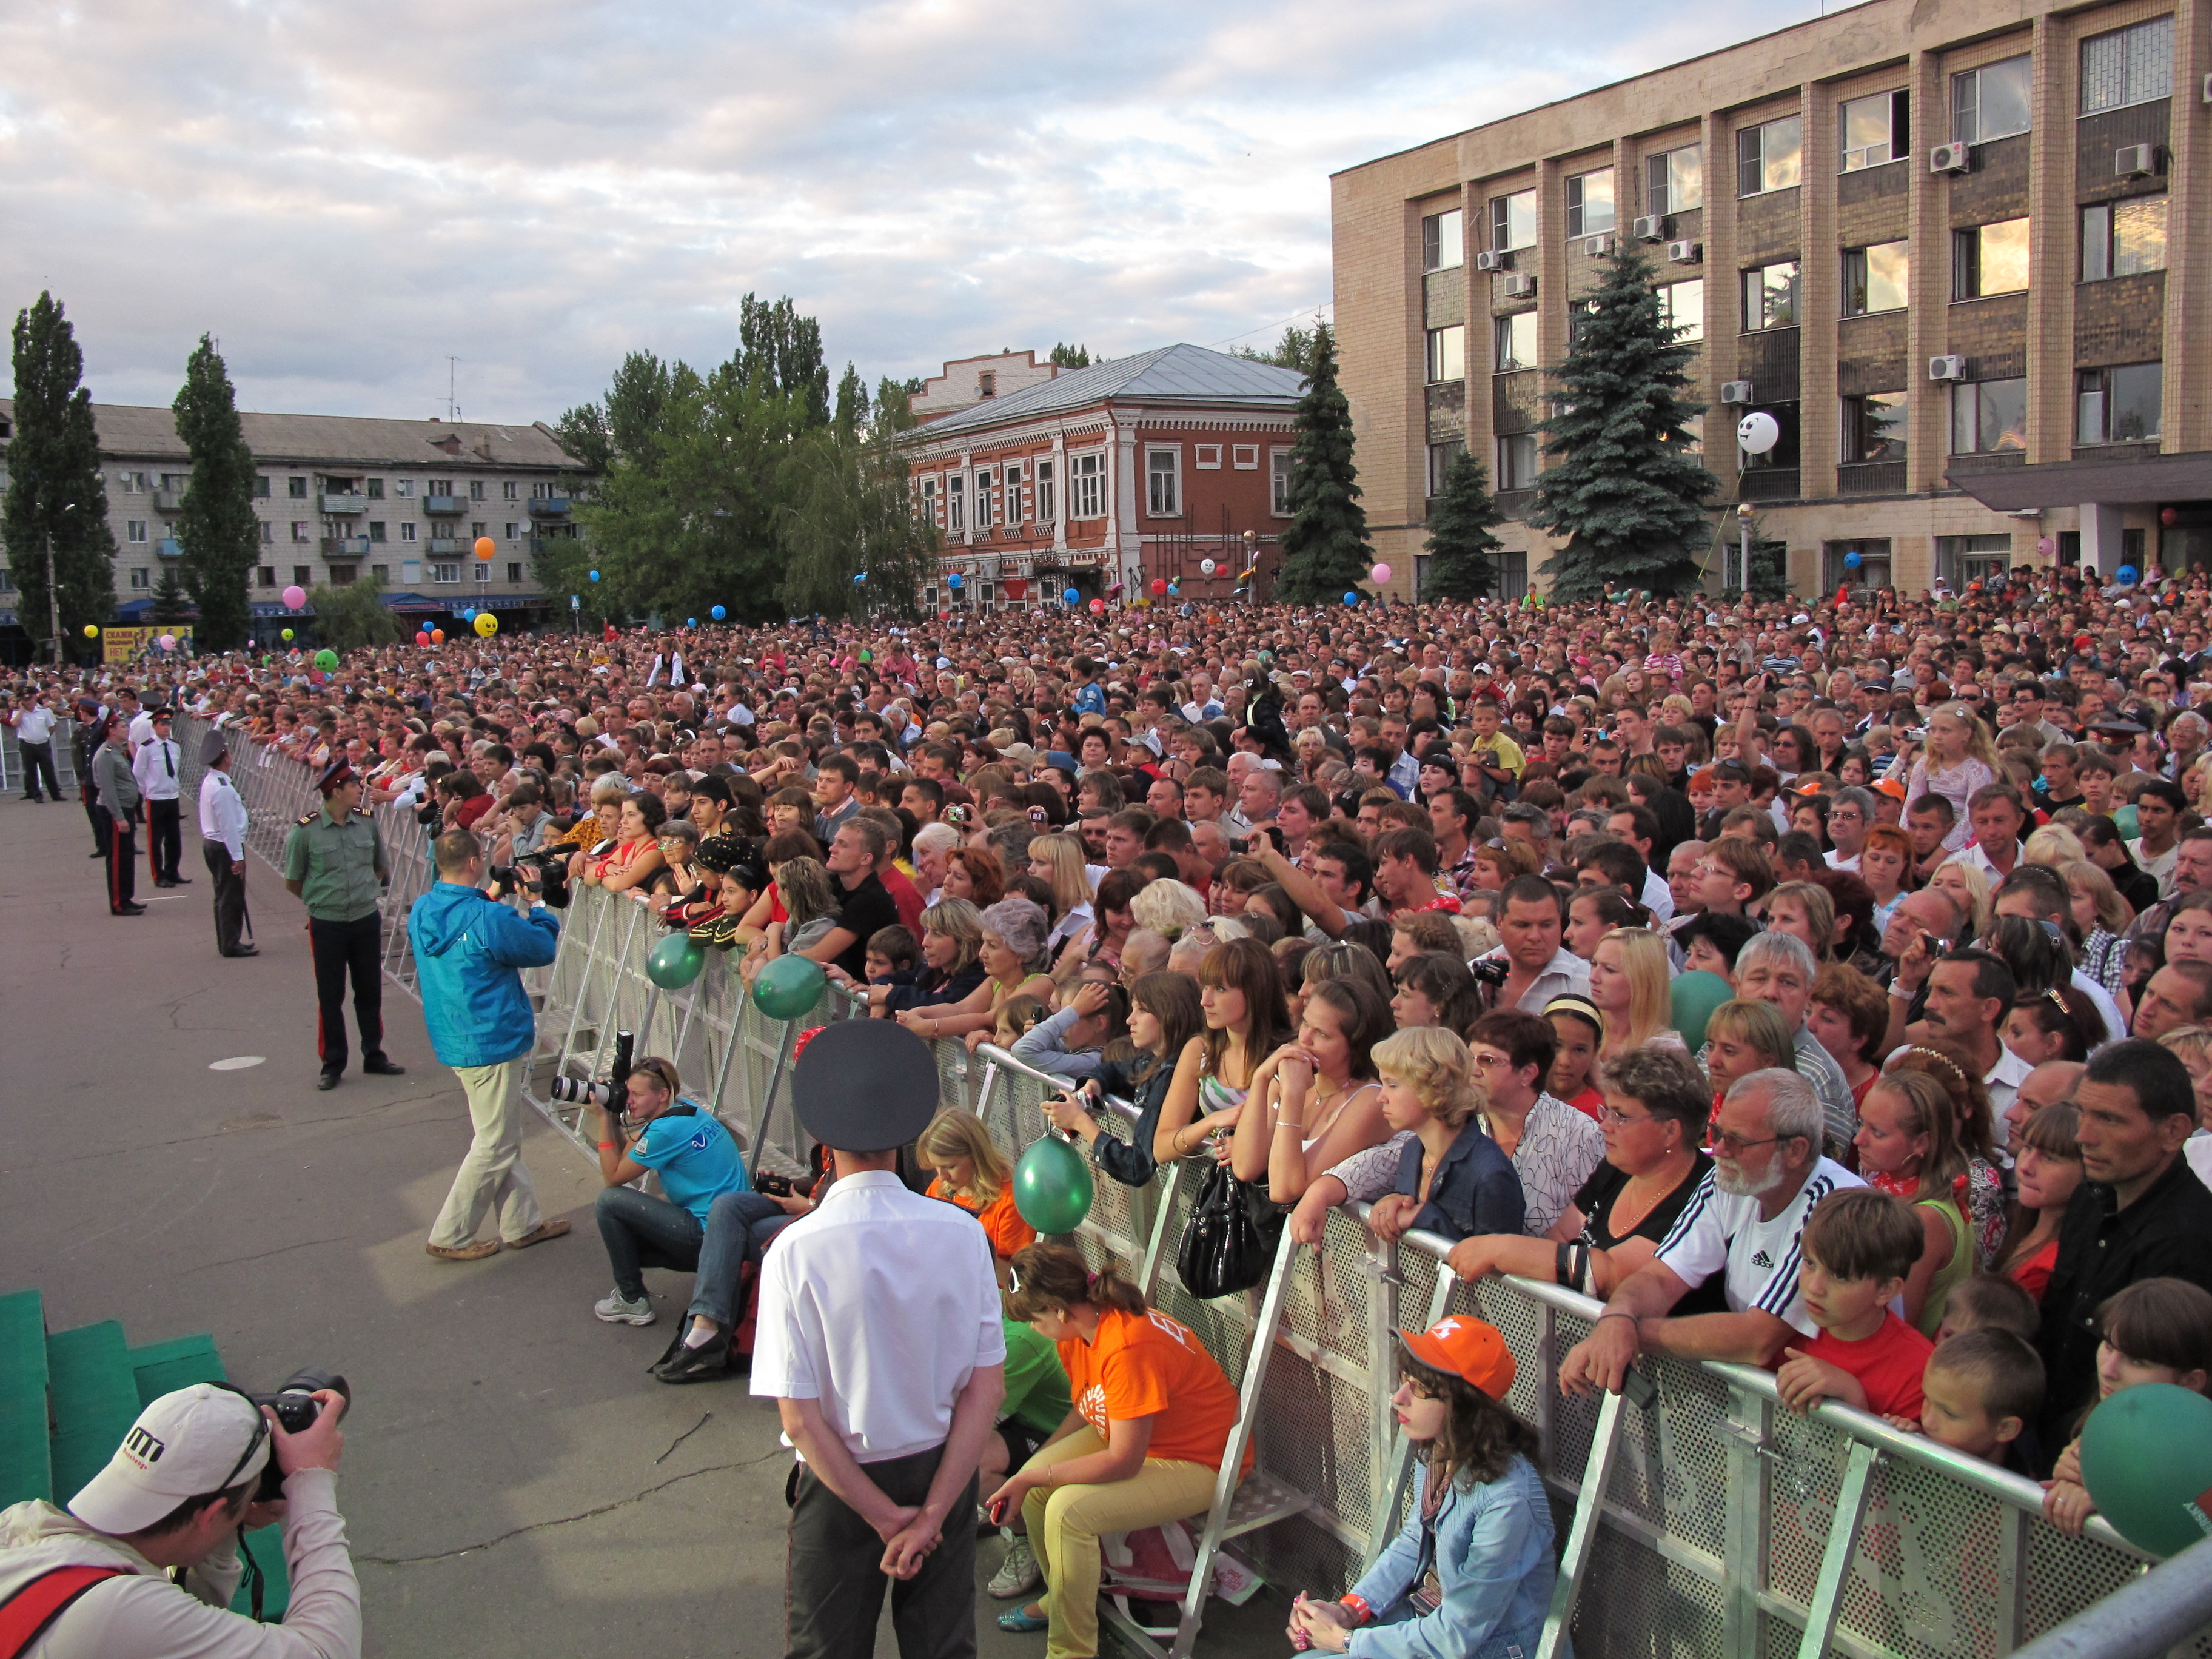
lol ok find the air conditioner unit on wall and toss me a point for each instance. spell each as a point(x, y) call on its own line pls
point(1520, 288)
point(1735, 392)
point(2135, 161)
point(1651, 227)
point(1597, 247)
point(1949, 158)
point(1947, 369)
point(1684, 253)
point(1493, 261)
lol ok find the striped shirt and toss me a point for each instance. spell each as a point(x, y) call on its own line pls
point(1718, 1232)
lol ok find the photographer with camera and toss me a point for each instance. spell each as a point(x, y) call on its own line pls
point(470, 947)
point(146, 1559)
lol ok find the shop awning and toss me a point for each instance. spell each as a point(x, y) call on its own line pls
point(2145, 482)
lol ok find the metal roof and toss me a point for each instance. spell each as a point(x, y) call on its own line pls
point(2140, 480)
point(130, 431)
point(1171, 374)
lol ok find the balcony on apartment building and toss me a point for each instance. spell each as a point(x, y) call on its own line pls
point(549, 506)
point(339, 505)
point(168, 549)
point(168, 502)
point(444, 503)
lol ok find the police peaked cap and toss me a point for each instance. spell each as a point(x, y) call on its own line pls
point(864, 1086)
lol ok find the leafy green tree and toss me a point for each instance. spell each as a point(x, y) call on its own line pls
point(1325, 550)
point(1627, 492)
point(352, 617)
point(217, 532)
point(849, 510)
point(1293, 351)
point(172, 604)
point(851, 401)
point(891, 401)
point(1463, 565)
point(56, 497)
point(1069, 356)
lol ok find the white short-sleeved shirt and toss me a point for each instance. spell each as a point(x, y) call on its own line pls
point(1718, 1233)
point(846, 1320)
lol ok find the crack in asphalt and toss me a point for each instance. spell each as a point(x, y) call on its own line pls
point(262, 1256)
point(564, 1519)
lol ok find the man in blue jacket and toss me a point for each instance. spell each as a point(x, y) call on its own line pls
point(469, 949)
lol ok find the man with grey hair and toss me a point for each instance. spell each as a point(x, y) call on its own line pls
point(1743, 1222)
point(1779, 968)
point(1851, 815)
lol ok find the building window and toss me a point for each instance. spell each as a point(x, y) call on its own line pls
point(444, 570)
point(1769, 157)
point(477, 528)
point(1769, 296)
point(984, 518)
point(1087, 475)
point(376, 489)
point(1874, 427)
point(475, 490)
point(2128, 66)
point(1014, 513)
point(142, 578)
point(380, 575)
point(302, 575)
point(1048, 500)
point(513, 571)
point(1245, 457)
point(1963, 559)
point(1874, 129)
point(1682, 308)
point(297, 489)
point(342, 576)
point(510, 490)
point(407, 532)
point(1990, 259)
point(265, 575)
point(2123, 238)
point(403, 488)
point(299, 531)
point(1513, 342)
point(1589, 202)
point(986, 383)
point(484, 572)
point(1208, 457)
point(1785, 453)
point(1990, 102)
point(1164, 483)
point(1516, 461)
point(956, 502)
point(1988, 416)
point(1441, 457)
point(7, 582)
point(1443, 241)
point(134, 530)
point(1513, 220)
point(411, 571)
point(1279, 483)
point(1674, 182)
point(543, 492)
point(1447, 357)
point(268, 533)
point(2118, 405)
point(1876, 278)
point(261, 486)
point(514, 531)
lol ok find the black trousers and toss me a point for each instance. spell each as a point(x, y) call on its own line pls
point(39, 762)
point(165, 840)
point(90, 797)
point(122, 854)
point(230, 896)
point(342, 948)
point(834, 1594)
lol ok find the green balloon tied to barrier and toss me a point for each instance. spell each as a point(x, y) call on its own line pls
point(788, 986)
point(675, 961)
point(1696, 994)
point(2146, 1460)
point(1052, 1187)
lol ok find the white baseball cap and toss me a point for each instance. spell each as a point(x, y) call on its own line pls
point(199, 1439)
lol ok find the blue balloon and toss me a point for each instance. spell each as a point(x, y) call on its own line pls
point(718, 613)
point(1852, 560)
point(690, 622)
point(955, 580)
point(862, 577)
point(1352, 597)
point(2124, 575)
point(595, 576)
point(1074, 595)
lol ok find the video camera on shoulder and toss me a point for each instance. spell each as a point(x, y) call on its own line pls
point(552, 877)
point(611, 1094)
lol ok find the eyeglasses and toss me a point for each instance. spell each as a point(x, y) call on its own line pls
point(1735, 1145)
point(1622, 1120)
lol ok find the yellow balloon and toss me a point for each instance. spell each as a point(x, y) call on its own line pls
point(487, 625)
point(91, 632)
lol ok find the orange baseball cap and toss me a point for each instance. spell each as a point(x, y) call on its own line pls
point(1468, 1348)
point(1891, 787)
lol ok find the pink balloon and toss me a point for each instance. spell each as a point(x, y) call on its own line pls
point(422, 638)
point(295, 597)
point(1381, 573)
point(169, 642)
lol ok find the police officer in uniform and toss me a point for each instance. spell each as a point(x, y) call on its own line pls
point(157, 768)
point(115, 814)
point(223, 843)
point(335, 863)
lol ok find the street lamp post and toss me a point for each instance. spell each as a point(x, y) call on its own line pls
point(53, 595)
point(1252, 567)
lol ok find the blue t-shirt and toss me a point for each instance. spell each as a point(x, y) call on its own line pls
point(695, 1157)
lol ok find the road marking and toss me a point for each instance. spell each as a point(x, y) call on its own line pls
point(237, 1063)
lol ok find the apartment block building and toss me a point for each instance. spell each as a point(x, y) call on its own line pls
point(1961, 251)
point(1105, 479)
point(343, 498)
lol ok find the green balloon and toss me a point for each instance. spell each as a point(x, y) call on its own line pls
point(2125, 822)
point(1696, 994)
point(1051, 1186)
point(327, 661)
point(788, 986)
point(2146, 1460)
point(675, 961)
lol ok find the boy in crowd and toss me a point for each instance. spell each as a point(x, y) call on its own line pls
point(1858, 1245)
point(1979, 1394)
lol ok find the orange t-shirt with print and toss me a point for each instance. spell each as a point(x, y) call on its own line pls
point(1150, 1365)
point(1002, 1223)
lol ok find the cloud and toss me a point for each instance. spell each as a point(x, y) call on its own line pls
point(346, 194)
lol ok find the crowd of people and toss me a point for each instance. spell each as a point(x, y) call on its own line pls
point(1822, 986)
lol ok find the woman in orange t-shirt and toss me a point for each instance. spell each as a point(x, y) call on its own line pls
point(973, 1173)
point(1143, 1444)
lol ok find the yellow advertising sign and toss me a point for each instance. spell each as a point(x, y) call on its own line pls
point(129, 644)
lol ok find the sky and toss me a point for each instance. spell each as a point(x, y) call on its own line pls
point(345, 195)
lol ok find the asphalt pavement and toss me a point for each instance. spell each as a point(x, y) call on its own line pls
point(514, 1484)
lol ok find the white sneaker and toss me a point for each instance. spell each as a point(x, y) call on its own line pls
point(618, 1310)
point(1019, 1574)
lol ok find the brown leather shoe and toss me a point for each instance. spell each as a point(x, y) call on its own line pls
point(539, 1235)
point(477, 1250)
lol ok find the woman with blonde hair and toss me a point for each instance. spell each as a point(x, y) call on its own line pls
point(974, 1174)
point(1805, 911)
point(1012, 955)
point(1170, 908)
point(1959, 759)
point(1965, 886)
point(1629, 983)
point(1058, 860)
point(2053, 845)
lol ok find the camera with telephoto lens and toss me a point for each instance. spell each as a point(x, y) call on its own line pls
point(296, 1409)
point(1490, 973)
point(611, 1094)
point(552, 877)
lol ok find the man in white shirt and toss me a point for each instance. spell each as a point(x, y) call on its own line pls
point(1850, 816)
point(158, 768)
point(887, 1379)
point(34, 721)
point(222, 844)
point(1744, 1222)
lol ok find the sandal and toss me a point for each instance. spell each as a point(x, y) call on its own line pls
point(1022, 1622)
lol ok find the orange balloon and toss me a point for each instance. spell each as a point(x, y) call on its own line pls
point(437, 636)
point(486, 547)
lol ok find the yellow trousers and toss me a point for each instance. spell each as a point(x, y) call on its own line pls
point(1065, 1524)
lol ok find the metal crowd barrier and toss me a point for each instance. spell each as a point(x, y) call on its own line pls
point(64, 751)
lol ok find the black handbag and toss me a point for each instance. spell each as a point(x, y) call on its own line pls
point(1228, 1243)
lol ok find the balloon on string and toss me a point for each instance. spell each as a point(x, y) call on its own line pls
point(1205, 566)
point(91, 631)
point(690, 622)
point(485, 548)
point(868, 656)
point(594, 575)
point(1073, 596)
point(437, 636)
point(167, 641)
point(1352, 596)
point(1381, 574)
point(1174, 589)
point(1052, 1188)
point(288, 636)
point(956, 581)
point(295, 597)
point(327, 661)
point(486, 624)
point(718, 613)
point(675, 961)
point(1158, 587)
point(1694, 996)
point(421, 638)
point(1758, 432)
point(1097, 607)
point(2126, 575)
point(859, 577)
point(788, 986)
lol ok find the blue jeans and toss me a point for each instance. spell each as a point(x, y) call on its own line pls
point(640, 1231)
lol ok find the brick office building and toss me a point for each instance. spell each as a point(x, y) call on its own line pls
point(1106, 478)
point(1961, 251)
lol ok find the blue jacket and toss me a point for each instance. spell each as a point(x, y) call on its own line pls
point(1476, 1189)
point(467, 948)
point(1494, 1562)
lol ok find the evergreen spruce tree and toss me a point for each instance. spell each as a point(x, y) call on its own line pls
point(1462, 565)
point(217, 533)
point(171, 603)
point(56, 496)
point(1325, 550)
point(1626, 491)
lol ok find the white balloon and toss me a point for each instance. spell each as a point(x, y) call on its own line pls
point(1758, 432)
point(1205, 566)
